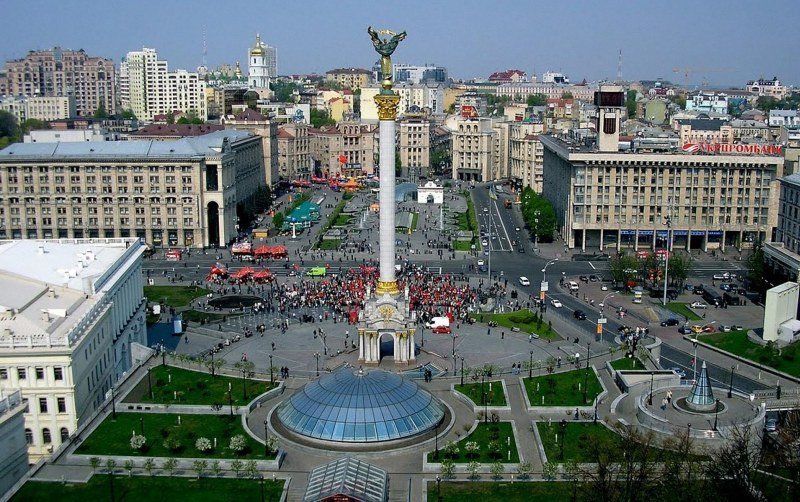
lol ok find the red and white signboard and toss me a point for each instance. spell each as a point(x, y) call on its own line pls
point(728, 148)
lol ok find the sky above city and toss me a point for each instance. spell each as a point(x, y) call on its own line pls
point(721, 42)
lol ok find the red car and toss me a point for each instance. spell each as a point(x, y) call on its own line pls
point(708, 329)
point(442, 330)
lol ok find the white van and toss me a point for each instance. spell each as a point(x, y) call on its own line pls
point(573, 286)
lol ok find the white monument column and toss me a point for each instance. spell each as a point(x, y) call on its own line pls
point(387, 113)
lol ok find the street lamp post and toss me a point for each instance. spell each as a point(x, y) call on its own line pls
point(716, 413)
point(585, 381)
point(230, 397)
point(316, 356)
point(588, 354)
point(650, 397)
point(530, 366)
point(730, 383)
point(262, 487)
point(149, 384)
point(544, 280)
point(271, 375)
point(666, 258)
point(462, 371)
point(141, 425)
point(438, 491)
point(454, 344)
point(485, 407)
point(436, 436)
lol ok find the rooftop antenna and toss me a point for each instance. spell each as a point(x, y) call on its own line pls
point(619, 67)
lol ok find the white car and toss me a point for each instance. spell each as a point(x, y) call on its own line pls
point(604, 287)
point(516, 228)
point(484, 242)
point(524, 281)
point(698, 305)
point(481, 263)
point(555, 303)
point(485, 209)
point(722, 277)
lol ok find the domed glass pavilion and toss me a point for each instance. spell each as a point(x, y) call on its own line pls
point(359, 406)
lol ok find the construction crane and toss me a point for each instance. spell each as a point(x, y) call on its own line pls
point(701, 71)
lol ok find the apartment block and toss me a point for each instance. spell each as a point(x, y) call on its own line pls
point(58, 72)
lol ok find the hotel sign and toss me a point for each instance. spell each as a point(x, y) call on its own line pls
point(729, 148)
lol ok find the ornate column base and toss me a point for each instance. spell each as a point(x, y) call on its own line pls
point(387, 287)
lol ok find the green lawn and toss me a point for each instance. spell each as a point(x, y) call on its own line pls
point(342, 220)
point(462, 245)
point(194, 387)
point(113, 437)
point(788, 360)
point(683, 311)
point(461, 491)
point(136, 488)
point(414, 221)
point(329, 244)
point(525, 320)
point(485, 434)
point(174, 296)
point(496, 396)
point(561, 389)
point(627, 363)
point(578, 435)
point(462, 221)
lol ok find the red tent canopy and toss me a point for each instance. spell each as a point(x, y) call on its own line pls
point(263, 251)
point(243, 272)
point(263, 274)
point(279, 251)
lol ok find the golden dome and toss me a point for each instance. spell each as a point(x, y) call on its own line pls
point(258, 50)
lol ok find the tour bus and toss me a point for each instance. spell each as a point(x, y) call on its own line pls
point(317, 272)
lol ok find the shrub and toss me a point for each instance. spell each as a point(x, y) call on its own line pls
point(238, 444)
point(164, 432)
point(472, 448)
point(138, 442)
point(201, 385)
point(236, 467)
point(472, 469)
point(549, 471)
point(524, 470)
point(203, 445)
point(451, 449)
point(448, 467)
point(172, 444)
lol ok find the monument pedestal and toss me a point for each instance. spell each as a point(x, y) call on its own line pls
point(382, 315)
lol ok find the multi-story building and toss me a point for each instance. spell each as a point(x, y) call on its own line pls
point(14, 461)
point(267, 130)
point(603, 197)
point(520, 91)
point(294, 152)
point(148, 88)
point(176, 193)
point(39, 107)
point(414, 140)
point(351, 78)
point(93, 133)
point(89, 80)
point(473, 149)
point(262, 63)
point(707, 102)
point(472, 101)
point(172, 132)
point(783, 254)
point(348, 149)
point(787, 118)
point(508, 76)
point(694, 131)
point(771, 88)
point(525, 154)
point(426, 74)
point(74, 321)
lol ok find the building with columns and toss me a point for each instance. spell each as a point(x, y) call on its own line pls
point(73, 316)
point(168, 193)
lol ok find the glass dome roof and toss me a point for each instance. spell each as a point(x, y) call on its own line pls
point(360, 406)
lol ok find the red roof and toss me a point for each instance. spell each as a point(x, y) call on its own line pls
point(504, 76)
point(284, 134)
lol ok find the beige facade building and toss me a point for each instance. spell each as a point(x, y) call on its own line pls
point(520, 91)
point(169, 193)
point(148, 88)
point(14, 461)
point(294, 152)
point(267, 130)
point(73, 314)
point(783, 254)
point(89, 80)
point(473, 149)
point(526, 154)
point(414, 141)
point(350, 78)
point(704, 131)
point(355, 143)
point(39, 107)
point(614, 199)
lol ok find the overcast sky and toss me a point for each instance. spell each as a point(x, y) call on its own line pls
point(728, 42)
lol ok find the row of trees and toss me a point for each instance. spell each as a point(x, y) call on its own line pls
point(247, 468)
point(627, 269)
point(538, 214)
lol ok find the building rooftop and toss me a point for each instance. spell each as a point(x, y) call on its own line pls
point(702, 124)
point(352, 71)
point(49, 287)
point(347, 479)
point(207, 144)
point(177, 130)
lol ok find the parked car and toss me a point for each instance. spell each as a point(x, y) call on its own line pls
point(524, 281)
point(583, 278)
point(679, 371)
point(684, 330)
point(521, 249)
point(670, 322)
point(708, 329)
point(604, 287)
point(727, 287)
point(593, 278)
point(555, 303)
point(696, 328)
point(689, 287)
point(441, 330)
point(724, 328)
point(698, 290)
point(737, 327)
point(698, 305)
point(580, 315)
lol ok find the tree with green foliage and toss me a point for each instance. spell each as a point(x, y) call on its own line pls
point(623, 268)
point(169, 466)
point(756, 269)
point(630, 104)
point(127, 114)
point(9, 128)
point(538, 214)
point(94, 462)
point(566, 95)
point(100, 112)
point(331, 84)
point(284, 91)
point(321, 118)
point(278, 220)
point(246, 368)
point(537, 100)
point(680, 266)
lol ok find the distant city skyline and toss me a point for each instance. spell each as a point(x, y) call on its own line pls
point(721, 42)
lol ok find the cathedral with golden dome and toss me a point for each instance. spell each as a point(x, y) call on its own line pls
point(262, 64)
